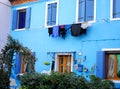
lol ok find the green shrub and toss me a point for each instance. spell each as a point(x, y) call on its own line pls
point(98, 83)
point(4, 79)
point(63, 81)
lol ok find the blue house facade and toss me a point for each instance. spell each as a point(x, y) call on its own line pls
point(80, 36)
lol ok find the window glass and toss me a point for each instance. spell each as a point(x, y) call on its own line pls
point(51, 14)
point(113, 66)
point(116, 9)
point(21, 18)
point(85, 10)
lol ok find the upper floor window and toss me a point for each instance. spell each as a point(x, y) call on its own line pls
point(115, 9)
point(85, 10)
point(51, 13)
point(21, 18)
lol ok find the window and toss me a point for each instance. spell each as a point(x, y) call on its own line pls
point(85, 10)
point(108, 65)
point(115, 9)
point(20, 65)
point(21, 18)
point(64, 63)
point(113, 66)
point(51, 14)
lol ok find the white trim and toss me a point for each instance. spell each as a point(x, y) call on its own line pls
point(46, 12)
point(20, 29)
point(22, 8)
point(111, 49)
point(116, 81)
point(57, 63)
point(111, 12)
point(77, 9)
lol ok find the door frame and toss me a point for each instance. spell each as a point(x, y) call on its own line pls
point(57, 60)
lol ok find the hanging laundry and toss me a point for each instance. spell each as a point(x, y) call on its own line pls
point(55, 32)
point(67, 27)
point(76, 29)
point(50, 30)
point(62, 31)
point(84, 31)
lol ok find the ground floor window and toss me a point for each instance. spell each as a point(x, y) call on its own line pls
point(108, 64)
point(64, 63)
point(113, 66)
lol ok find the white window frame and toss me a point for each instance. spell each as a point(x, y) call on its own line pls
point(77, 10)
point(111, 11)
point(57, 60)
point(21, 8)
point(46, 12)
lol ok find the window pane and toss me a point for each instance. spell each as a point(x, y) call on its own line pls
point(54, 11)
point(49, 14)
point(22, 18)
point(89, 10)
point(81, 11)
point(116, 8)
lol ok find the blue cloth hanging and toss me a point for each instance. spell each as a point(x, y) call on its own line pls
point(55, 32)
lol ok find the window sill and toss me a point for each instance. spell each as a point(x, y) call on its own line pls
point(20, 29)
point(117, 80)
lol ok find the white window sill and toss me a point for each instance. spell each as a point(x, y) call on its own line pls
point(116, 81)
point(20, 29)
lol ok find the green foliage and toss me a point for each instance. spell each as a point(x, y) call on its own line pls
point(99, 83)
point(4, 79)
point(63, 81)
point(14, 46)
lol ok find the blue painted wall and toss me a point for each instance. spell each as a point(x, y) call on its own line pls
point(101, 34)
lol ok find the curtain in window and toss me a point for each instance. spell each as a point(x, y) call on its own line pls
point(111, 66)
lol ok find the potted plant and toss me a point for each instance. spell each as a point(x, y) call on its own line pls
point(47, 63)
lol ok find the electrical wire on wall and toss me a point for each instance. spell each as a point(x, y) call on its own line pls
point(101, 40)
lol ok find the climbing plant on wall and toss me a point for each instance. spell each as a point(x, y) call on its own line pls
point(13, 47)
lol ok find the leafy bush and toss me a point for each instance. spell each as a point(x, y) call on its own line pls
point(63, 81)
point(4, 79)
point(99, 83)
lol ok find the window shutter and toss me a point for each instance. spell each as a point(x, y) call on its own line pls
point(116, 8)
point(15, 19)
point(49, 15)
point(54, 11)
point(100, 70)
point(89, 10)
point(81, 10)
point(28, 17)
point(17, 64)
